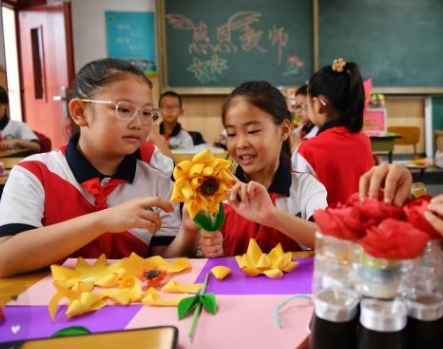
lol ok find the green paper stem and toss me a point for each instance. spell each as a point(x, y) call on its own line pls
point(71, 331)
point(198, 309)
point(206, 222)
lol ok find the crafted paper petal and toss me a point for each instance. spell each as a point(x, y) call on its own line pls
point(220, 271)
point(254, 251)
point(177, 287)
point(117, 296)
point(55, 300)
point(153, 298)
point(263, 262)
point(273, 273)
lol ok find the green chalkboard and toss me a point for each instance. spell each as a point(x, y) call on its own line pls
point(213, 43)
point(395, 42)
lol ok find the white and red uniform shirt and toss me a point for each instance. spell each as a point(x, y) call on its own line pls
point(53, 187)
point(337, 157)
point(299, 194)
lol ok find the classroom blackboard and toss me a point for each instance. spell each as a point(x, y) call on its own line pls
point(213, 43)
point(395, 42)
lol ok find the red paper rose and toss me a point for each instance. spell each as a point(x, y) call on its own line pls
point(394, 239)
point(415, 210)
point(375, 210)
point(343, 223)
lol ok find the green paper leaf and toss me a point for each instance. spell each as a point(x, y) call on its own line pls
point(71, 331)
point(219, 218)
point(209, 302)
point(203, 221)
point(186, 305)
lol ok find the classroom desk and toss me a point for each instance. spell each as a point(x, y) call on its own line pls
point(184, 154)
point(248, 313)
point(8, 162)
point(15, 152)
point(383, 143)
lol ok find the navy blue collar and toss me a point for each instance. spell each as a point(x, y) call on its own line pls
point(83, 170)
point(281, 183)
point(4, 122)
point(175, 131)
point(330, 124)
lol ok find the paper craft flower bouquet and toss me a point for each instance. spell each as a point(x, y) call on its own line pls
point(376, 248)
point(202, 184)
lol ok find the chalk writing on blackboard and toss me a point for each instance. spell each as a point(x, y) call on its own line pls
point(240, 33)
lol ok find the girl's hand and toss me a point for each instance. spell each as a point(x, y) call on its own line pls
point(435, 217)
point(188, 223)
point(395, 179)
point(135, 213)
point(211, 244)
point(252, 201)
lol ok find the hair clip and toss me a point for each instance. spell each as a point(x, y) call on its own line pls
point(338, 65)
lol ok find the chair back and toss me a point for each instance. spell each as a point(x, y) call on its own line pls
point(410, 135)
point(197, 137)
point(45, 142)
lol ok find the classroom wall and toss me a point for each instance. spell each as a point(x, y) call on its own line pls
point(2, 45)
point(202, 112)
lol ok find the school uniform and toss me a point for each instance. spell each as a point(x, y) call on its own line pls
point(178, 138)
point(299, 194)
point(337, 157)
point(12, 129)
point(151, 154)
point(53, 187)
point(306, 131)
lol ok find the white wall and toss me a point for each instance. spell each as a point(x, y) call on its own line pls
point(2, 46)
point(89, 27)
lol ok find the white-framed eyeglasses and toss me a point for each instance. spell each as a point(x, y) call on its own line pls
point(301, 108)
point(126, 111)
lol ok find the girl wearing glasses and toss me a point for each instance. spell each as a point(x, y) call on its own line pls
point(341, 152)
point(94, 195)
point(307, 129)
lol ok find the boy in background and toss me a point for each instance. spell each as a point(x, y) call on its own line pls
point(14, 134)
point(170, 104)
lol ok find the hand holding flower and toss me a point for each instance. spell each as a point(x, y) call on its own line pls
point(203, 184)
point(211, 244)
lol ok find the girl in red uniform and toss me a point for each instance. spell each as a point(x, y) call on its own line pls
point(341, 152)
point(270, 203)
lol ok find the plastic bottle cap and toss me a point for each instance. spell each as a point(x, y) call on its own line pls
point(336, 305)
point(383, 316)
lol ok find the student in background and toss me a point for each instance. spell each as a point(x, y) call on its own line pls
point(171, 108)
point(341, 152)
point(93, 196)
point(15, 134)
point(396, 182)
point(307, 129)
point(269, 203)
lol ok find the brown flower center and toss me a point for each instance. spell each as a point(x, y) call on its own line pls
point(209, 186)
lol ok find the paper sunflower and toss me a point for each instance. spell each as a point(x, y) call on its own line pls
point(202, 184)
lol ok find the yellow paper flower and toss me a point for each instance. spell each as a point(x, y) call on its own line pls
point(254, 262)
point(202, 183)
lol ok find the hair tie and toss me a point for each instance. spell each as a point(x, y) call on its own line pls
point(338, 65)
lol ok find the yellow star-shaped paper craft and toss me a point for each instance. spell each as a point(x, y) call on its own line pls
point(254, 262)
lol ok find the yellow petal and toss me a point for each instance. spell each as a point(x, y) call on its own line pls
point(276, 252)
point(254, 251)
point(196, 170)
point(181, 169)
point(273, 273)
point(177, 287)
point(263, 263)
point(203, 157)
point(220, 271)
point(153, 298)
